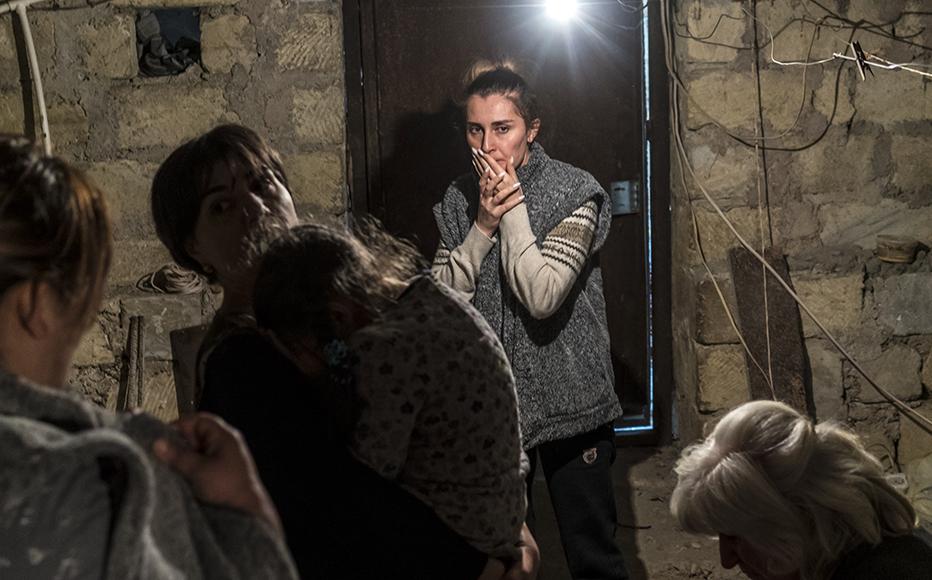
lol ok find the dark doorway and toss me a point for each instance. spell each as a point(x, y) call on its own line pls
point(405, 60)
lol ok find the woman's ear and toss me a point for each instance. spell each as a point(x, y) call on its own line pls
point(533, 131)
point(36, 307)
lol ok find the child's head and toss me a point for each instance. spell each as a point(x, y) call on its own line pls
point(317, 284)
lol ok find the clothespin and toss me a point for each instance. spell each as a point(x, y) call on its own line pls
point(861, 60)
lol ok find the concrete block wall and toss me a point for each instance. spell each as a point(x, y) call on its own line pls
point(274, 66)
point(857, 167)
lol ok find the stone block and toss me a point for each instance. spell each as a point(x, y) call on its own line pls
point(825, 99)
point(153, 115)
point(877, 11)
point(126, 184)
point(67, 123)
point(721, 23)
point(108, 47)
point(836, 301)
point(712, 324)
point(842, 167)
point(731, 99)
point(318, 116)
point(11, 112)
point(828, 390)
point(896, 370)
point(794, 222)
point(227, 41)
point(132, 259)
point(927, 372)
point(904, 303)
point(723, 380)
point(902, 98)
point(792, 40)
point(9, 65)
point(727, 177)
point(859, 223)
point(163, 313)
point(915, 443)
point(317, 182)
point(717, 238)
point(94, 348)
point(911, 164)
point(311, 42)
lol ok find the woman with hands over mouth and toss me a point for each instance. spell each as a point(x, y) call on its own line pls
point(520, 238)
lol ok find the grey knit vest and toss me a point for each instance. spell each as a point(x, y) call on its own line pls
point(562, 364)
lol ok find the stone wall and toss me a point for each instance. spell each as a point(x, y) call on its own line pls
point(858, 167)
point(275, 66)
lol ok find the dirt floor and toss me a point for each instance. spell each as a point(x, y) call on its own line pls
point(652, 545)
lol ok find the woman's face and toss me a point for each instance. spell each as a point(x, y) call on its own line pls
point(241, 211)
point(494, 125)
point(735, 551)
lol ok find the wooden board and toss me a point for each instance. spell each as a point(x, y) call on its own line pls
point(788, 362)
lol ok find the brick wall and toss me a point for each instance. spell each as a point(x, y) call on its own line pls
point(867, 175)
point(274, 66)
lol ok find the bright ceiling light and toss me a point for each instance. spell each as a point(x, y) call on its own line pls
point(561, 9)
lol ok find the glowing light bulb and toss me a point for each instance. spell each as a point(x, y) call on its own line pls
point(561, 9)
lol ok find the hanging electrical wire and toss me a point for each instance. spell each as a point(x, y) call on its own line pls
point(818, 24)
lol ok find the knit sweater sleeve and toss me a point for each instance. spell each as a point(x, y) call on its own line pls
point(459, 268)
point(541, 277)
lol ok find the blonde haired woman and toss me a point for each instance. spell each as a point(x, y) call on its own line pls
point(791, 500)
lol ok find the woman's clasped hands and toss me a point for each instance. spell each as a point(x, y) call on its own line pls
point(499, 190)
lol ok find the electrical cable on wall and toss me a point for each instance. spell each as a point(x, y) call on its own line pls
point(683, 161)
point(845, 24)
point(19, 6)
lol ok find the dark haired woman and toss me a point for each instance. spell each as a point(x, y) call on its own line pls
point(82, 494)
point(520, 237)
point(217, 201)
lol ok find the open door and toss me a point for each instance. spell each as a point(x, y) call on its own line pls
point(405, 60)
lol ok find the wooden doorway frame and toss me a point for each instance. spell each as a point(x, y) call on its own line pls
point(364, 175)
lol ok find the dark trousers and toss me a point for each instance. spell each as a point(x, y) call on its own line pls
point(578, 471)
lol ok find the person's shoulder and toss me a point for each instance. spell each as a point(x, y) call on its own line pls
point(456, 315)
point(37, 450)
point(463, 183)
point(428, 293)
point(903, 557)
point(457, 192)
point(244, 347)
point(570, 172)
point(53, 498)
